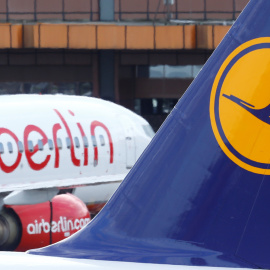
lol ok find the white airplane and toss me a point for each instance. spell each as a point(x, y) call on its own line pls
point(53, 144)
point(198, 197)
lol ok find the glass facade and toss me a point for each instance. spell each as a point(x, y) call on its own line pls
point(66, 88)
point(167, 71)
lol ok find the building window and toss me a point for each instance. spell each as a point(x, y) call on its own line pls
point(169, 72)
point(154, 106)
point(66, 88)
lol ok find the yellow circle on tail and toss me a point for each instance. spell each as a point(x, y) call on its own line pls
point(240, 106)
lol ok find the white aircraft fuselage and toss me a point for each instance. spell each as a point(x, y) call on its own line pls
point(58, 141)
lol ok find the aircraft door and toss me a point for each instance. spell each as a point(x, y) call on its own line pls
point(129, 143)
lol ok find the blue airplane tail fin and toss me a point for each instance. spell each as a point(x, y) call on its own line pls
point(199, 195)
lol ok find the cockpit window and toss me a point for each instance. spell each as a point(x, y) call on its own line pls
point(148, 131)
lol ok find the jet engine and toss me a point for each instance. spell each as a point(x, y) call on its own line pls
point(24, 227)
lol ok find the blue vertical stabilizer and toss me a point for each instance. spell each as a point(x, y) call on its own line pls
point(199, 194)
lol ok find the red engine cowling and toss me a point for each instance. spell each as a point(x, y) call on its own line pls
point(24, 227)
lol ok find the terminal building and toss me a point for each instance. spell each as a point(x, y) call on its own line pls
point(141, 54)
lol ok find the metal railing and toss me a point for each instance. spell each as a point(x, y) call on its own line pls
point(153, 10)
point(57, 10)
point(171, 9)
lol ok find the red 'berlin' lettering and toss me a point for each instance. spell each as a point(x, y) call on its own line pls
point(56, 127)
